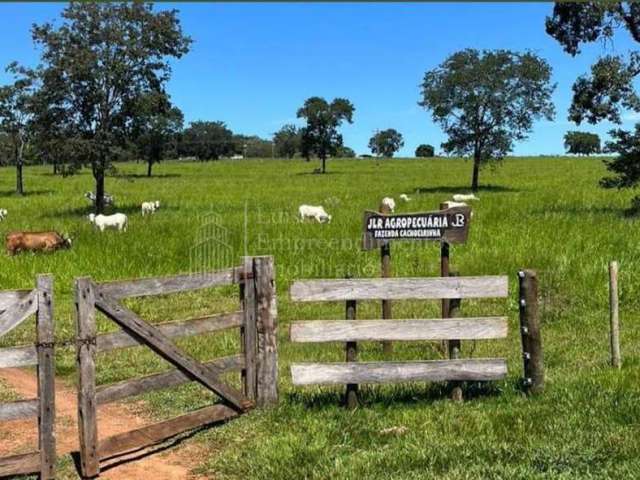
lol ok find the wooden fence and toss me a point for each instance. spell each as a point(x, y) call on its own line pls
point(256, 319)
point(352, 331)
point(15, 307)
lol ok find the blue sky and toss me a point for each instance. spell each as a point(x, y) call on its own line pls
point(252, 65)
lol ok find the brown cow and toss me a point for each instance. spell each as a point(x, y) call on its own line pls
point(35, 242)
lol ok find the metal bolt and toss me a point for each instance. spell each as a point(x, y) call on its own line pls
point(523, 302)
point(526, 355)
point(525, 330)
point(527, 382)
point(521, 274)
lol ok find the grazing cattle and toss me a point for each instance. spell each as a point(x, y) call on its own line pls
point(318, 213)
point(108, 199)
point(390, 203)
point(459, 197)
point(35, 242)
point(451, 204)
point(149, 208)
point(404, 197)
point(116, 221)
point(3, 214)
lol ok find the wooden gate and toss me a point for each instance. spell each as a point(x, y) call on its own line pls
point(352, 331)
point(15, 307)
point(256, 320)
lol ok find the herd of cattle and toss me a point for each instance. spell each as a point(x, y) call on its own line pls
point(49, 241)
point(16, 242)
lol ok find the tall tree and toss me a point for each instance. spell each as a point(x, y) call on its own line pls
point(155, 126)
point(206, 140)
point(100, 60)
point(425, 150)
point(386, 142)
point(323, 119)
point(287, 141)
point(485, 101)
point(15, 117)
point(582, 143)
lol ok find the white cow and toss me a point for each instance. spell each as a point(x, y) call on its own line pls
point(117, 221)
point(389, 203)
point(452, 204)
point(459, 197)
point(108, 199)
point(404, 197)
point(149, 208)
point(3, 214)
point(318, 213)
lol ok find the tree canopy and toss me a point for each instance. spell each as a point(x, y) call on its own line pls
point(425, 150)
point(582, 143)
point(96, 65)
point(321, 135)
point(206, 141)
point(287, 141)
point(386, 142)
point(485, 101)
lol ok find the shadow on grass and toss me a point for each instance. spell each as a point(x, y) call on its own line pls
point(628, 213)
point(465, 189)
point(135, 176)
point(85, 211)
point(28, 193)
point(395, 395)
point(319, 174)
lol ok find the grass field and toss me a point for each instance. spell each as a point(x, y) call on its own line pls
point(542, 213)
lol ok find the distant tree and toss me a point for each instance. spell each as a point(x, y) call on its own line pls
point(306, 144)
point(425, 151)
point(252, 146)
point(625, 167)
point(582, 143)
point(345, 152)
point(96, 64)
point(485, 101)
point(15, 117)
point(287, 141)
point(386, 142)
point(206, 140)
point(155, 126)
point(321, 136)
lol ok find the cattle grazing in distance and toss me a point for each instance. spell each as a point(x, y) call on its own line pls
point(460, 197)
point(117, 221)
point(3, 214)
point(108, 199)
point(149, 208)
point(390, 203)
point(316, 212)
point(404, 197)
point(35, 242)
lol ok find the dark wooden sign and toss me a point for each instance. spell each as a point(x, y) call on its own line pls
point(450, 225)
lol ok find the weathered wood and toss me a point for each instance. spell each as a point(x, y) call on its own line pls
point(18, 357)
point(249, 337)
point(19, 409)
point(477, 328)
point(15, 314)
point(351, 395)
point(163, 346)
point(22, 464)
point(46, 377)
point(85, 359)
point(398, 372)
point(530, 332)
point(267, 324)
point(159, 432)
point(212, 323)
point(166, 285)
point(454, 346)
point(399, 288)
point(127, 388)
point(385, 261)
point(614, 316)
point(10, 297)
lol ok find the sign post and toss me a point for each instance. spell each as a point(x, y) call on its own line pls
point(385, 260)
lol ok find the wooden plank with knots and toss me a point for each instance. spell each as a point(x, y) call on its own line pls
point(14, 315)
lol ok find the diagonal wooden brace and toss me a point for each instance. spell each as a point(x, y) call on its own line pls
point(163, 346)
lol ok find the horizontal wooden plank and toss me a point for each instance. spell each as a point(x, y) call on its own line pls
point(398, 330)
point(159, 432)
point(399, 288)
point(136, 386)
point(19, 409)
point(10, 297)
point(22, 464)
point(166, 285)
point(399, 372)
point(194, 326)
point(18, 312)
point(18, 357)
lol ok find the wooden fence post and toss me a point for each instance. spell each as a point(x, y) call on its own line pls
point(85, 358)
point(267, 324)
point(46, 377)
point(248, 331)
point(530, 332)
point(455, 345)
point(614, 317)
point(351, 397)
point(385, 263)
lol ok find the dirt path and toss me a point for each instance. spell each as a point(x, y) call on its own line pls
point(172, 464)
